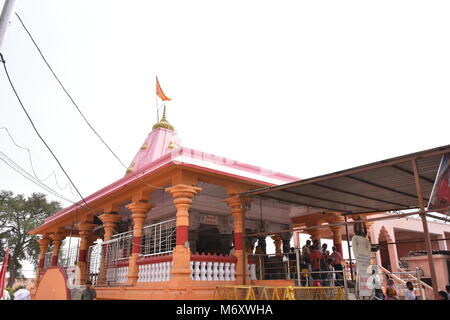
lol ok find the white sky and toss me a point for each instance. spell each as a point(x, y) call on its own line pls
point(300, 87)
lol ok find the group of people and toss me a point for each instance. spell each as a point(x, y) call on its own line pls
point(21, 293)
point(391, 292)
point(321, 264)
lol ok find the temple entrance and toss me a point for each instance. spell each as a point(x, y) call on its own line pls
point(210, 240)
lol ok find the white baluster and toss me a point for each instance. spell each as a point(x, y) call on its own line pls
point(216, 271)
point(221, 272)
point(158, 272)
point(125, 273)
point(209, 271)
point(192, 270)
point(203, 270)
point(149, 273)
point(253, 271)
point(197, 270)
point(227, 271)
point(140, 269)
point(170, 271)
point(164, 271)
point(232, 272)
point(144, 272)
point(161, 271)
point(167, 271)
point(152, 272)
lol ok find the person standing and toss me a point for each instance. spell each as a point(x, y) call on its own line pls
point(337, 260)
point(89, 293)
point(6, 295)
point(409, 292)
point(306, 251)
point(316, 257)
point(22, 294)
point(375, 283)
point(391, 293)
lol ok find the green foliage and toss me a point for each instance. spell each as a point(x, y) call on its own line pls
point(18, 216)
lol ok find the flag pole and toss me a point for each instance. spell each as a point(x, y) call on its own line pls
point(156, 102)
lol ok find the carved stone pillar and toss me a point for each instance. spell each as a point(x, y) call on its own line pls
point(238, 212)
point(286, 238)
point(277, 243)
point(85, 232)
point(43, 246)
point(337, 237)
point(139, 211)
point(57, 238)
point(110, 221)
point(182, 198)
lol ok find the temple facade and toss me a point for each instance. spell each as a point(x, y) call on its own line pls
point(174, 228)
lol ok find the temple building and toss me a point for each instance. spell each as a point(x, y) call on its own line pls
point(175, 225)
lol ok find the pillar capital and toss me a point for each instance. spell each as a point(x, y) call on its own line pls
point(110, 221)
point(44, 242)
point(57, 236)
point(85, 228)
point(140, 207)
point(183, 191)
point(108, 218)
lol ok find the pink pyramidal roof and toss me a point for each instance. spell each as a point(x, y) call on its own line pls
point(158, 143)
point(162, 148)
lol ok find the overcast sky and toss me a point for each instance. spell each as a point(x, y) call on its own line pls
point(300, 87)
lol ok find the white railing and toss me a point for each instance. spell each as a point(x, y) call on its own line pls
point(159, 238)
point(117, 275)
point(400, 278)
point(212, 271)
point(252, 271)
point(47, 260)
point(70, 256)
point(155, 272)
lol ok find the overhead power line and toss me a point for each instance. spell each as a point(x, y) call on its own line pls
point(35, 129)
point(74, 103)
point(32, 165)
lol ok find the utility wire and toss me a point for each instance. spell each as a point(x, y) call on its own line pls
point(35, 129)
point(75, 104)
point(32, 166)
point(26, 175)
point(67, 93)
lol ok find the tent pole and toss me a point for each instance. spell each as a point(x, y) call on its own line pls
point(425, 230)
point(348, 246)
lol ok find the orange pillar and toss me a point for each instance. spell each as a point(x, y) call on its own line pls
point(238, 212)
point(181, 267)
point(337, 238)
point(43, 246)
point(85, 230)
point(277, 242)
point(139, 211)
point(57, 238)
point(109, 225)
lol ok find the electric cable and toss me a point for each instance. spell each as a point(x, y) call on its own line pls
point(74, 103)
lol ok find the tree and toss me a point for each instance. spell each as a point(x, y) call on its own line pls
point(18, 216)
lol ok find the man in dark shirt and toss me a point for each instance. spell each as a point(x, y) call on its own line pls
point(88, 293)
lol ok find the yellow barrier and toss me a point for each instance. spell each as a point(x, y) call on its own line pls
point(278, 293)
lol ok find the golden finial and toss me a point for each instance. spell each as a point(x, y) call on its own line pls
point(163, 123)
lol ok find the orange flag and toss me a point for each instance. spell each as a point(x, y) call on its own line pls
point(160, 93)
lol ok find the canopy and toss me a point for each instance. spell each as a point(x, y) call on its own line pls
point(381, 186)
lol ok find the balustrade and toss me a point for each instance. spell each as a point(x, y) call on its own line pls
point(213, 267)
point(155, 268)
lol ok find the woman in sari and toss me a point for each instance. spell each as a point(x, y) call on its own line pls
point(391, 293)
